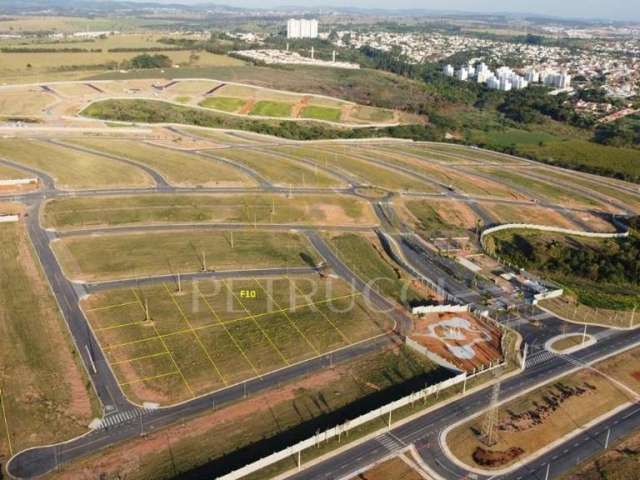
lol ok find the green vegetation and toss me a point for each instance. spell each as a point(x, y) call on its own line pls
point(603, 273)
point(431, 223)
point(44, 393)
point(308, 209)
point(226, 104)
point(150, 61)
point(177, 167)
point(370, 263)
point(321, 113)
point(370, 173)
point(73, 169)
point(9, 173)
point(623, 132)
point(224, 332)
point(280, 170)
point(126, 256)
point(268, 108)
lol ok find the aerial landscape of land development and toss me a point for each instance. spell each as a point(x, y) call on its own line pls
point(267, 241)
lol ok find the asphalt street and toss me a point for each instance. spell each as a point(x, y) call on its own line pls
point(124, 420)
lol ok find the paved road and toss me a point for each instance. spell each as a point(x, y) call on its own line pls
point(424, 431)
point(124, 420)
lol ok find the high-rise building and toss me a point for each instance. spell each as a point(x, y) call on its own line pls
point(302, 28)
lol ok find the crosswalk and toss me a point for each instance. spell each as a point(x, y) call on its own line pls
point(390, 442)
point(539, 357)
point(118, 418)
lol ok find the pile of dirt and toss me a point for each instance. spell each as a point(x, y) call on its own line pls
point(493, 459)
point(552, 402)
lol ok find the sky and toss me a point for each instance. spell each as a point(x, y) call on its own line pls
point(601, 9)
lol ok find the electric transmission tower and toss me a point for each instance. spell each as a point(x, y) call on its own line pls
point(488, 435)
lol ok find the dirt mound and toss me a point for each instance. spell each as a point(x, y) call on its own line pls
point(537, 415)
point(492, 459)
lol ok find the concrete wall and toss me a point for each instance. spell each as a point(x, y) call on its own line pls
point(18, 181)
point(340, 429)
point(434, 357)
point(547, 228)
point(9, 218)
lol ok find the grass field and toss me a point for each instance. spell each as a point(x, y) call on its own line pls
point(545, 190)
point(395, 468)
point(459, 181)
point(21, 103)
point(371, 114)
point(177, 167)
point(226, 104)
point(14, 66)
point(132, 255)
point(214, 334)
point(166, 453)
point(45, 395)
point(9, 173)
point(583, 154)
point(505, 213)
point(229, 138)
point(280, 170)
point(308, 209)
point(441, 219)
point(560, 407)
point(373, 174)
point(368, 261)
point(71, 169)
point(321, 113)
point(267, 108)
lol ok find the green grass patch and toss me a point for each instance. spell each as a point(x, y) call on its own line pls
point(151, 209)
point(321, 113)
point(176, 167)
point(371, 264)
point(267, 108)
point(226, 104)
point(72, 169)
point(131, 255)
point(223, 332)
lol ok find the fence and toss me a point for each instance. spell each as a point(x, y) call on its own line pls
point(423, 310)
point(341, 429)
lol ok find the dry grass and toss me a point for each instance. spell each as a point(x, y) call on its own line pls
point(72, 169)
point(45, 394)
point(177, 167)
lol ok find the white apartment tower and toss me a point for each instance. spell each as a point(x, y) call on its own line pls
point(301, 28)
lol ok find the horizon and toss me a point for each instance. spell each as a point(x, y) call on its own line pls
point(615, 10)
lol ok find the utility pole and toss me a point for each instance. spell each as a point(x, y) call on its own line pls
point(231, 238)
point(606, 440)
point(488, 435)
point(147, 317)
point(584, 334)
point(546, 477)
point(204, 261)
point(179, 283)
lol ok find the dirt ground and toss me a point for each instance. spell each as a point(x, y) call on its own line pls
point(460, 338)
point(528, 214)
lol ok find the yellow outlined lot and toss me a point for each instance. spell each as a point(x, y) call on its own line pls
point(164, 344)
point(239, 336)
point(257, 324)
